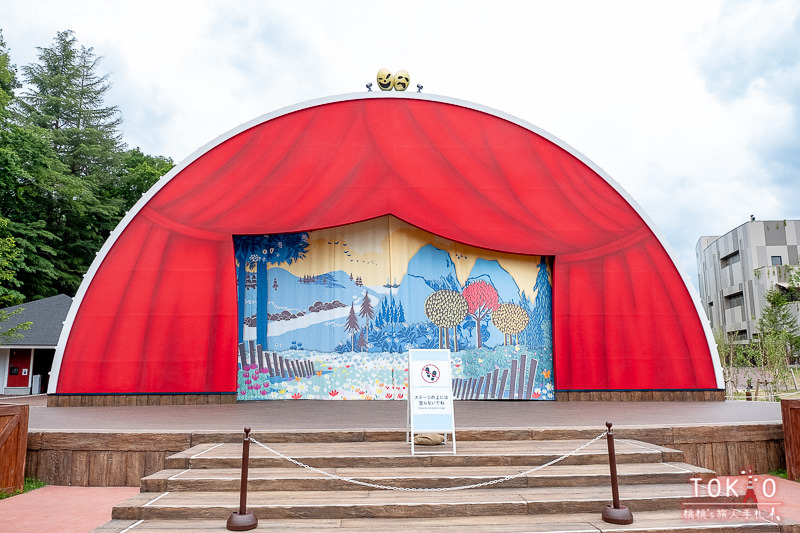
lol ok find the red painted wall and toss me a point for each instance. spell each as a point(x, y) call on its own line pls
point(21, 360)
point(160, 312)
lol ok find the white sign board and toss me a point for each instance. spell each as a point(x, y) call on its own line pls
point(430, 394)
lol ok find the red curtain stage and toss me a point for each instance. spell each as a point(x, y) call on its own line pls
point(160, 315)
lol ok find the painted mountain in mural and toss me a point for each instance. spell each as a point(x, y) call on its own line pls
point(309, 311)
point(492, 273)
point(313, 312)
point(429, 270)
point(507, 291)
point(432, 269)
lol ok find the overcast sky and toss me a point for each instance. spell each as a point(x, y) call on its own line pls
point(691, 106)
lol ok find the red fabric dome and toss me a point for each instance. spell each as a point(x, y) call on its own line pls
point(157, 313)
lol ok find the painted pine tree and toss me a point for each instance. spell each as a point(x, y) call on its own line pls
point(351, 326)
point(543, 309)
point(367, 313)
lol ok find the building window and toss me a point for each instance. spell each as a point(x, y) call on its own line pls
point(730, 259)
point(776, 260)
point(734, 300)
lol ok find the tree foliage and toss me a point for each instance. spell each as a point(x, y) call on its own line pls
point(8, 75)
point(66, 177)
point(9, 296)
point(767, 358)
point(778, 334)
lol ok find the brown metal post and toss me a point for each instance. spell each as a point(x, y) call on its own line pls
point(616, 513)
point(243, 520)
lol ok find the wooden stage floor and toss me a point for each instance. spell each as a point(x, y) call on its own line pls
point(350, 415)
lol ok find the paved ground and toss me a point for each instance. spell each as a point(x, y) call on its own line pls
point(81, 509)
point(61, 509)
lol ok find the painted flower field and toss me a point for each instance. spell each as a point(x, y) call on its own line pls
point(379, 376)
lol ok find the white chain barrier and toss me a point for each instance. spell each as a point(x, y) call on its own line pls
point(429, 489)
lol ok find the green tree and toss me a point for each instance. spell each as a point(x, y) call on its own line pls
point(136, 173)
point(66, 95)
point(9, 296)
point(34, 192)
point(777, 317)
point(8, 76)
point(778, 337)
point(794, 282)
point(29, 176)
point(66, 178)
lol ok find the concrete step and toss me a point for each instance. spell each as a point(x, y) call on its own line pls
point(644, 521)
point(398, 454)
point(295, 478)
point(402, 503)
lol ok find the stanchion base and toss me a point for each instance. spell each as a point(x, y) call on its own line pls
point(621, 516)
point(242, 522)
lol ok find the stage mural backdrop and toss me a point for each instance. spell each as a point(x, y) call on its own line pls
point(331, 314)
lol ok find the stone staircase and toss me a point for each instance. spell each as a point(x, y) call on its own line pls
point(200, 486)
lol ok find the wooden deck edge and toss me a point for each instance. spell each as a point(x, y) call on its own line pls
point(133, 400)
point(717, 395)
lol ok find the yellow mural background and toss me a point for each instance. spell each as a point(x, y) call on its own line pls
point(374, 247)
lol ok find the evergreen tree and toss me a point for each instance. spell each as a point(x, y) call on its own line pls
point(65, 178)
point(777, 319)
point(64, 97)
point(8, 75)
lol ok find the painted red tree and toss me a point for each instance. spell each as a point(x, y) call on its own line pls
point(481, 300)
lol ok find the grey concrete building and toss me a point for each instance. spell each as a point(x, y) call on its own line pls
point(736, 270)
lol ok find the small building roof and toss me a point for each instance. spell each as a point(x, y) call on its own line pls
point(47, 316)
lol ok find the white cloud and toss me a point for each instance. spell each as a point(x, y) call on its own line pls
point(690, 106)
